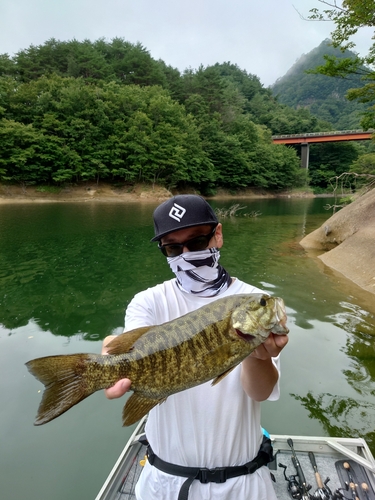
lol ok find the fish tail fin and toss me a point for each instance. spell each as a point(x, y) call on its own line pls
point(64, 378)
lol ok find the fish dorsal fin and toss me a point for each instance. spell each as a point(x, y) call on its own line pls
point(136, 407)
point(220, 377)
point(123, 343)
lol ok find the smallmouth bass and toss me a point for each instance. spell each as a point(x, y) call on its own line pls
point(202, 345)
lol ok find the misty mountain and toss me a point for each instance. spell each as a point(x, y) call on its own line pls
point(323, 96)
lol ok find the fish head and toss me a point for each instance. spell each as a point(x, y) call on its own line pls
point(258, 316)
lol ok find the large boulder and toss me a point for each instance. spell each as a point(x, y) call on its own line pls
point(348, 241)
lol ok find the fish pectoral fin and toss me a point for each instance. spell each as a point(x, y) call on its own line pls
point(124, 342)
point(220, 377)
point(136, 407)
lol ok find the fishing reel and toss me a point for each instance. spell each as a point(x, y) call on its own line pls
point(293, 485)
point(337, 495)
point(324, 493)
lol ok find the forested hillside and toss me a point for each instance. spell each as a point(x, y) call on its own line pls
point(76, 111)
point(323, 96)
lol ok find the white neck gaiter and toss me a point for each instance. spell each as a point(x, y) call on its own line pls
point(199, 273)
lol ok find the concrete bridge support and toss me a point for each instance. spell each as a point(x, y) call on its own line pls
point(305, 151)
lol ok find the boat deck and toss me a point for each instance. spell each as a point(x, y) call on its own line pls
point(330, 454)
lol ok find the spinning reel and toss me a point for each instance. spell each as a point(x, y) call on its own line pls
point(293, 484)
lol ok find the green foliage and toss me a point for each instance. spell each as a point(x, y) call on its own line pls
point(78, 111)
point(326, 97)
point(48, 189)
point(363, 171)
point(21, 153)
point(338, 157)
point(303, 87)
point(348, 19)
point(346, 200)
point(117, 60)
point(365, 164)
point(78, 132)
point(6, 65)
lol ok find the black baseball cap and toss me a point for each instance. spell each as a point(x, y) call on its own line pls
point(180, 212)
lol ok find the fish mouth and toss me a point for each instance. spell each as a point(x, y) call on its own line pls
point(280, 318)
point(247, 337)
point(281, 324)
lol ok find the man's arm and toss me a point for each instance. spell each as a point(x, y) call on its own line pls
point(258, 373)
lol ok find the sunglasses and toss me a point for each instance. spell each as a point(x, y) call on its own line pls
point(194, 245)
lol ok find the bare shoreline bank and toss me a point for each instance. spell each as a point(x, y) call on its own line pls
point(106, 193)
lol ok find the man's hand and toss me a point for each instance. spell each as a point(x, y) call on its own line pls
point(120, 387)
point(258, 374)
point(271, 347)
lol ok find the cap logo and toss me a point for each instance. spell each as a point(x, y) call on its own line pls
point(177, 212)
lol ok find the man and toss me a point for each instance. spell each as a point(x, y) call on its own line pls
point(205, 427)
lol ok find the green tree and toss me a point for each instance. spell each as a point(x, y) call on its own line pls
point(248, 85)
point(117, 60)
point(107, 110)
point(337, 159)
point(365, 164)
point(302, 88)
point(131, 64)
point(23, 158)
point(98, 132)
point(6, 65)
point(363, 170)
point(349, 18)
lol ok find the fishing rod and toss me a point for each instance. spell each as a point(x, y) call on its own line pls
point(352, 484)
point(365, 489)
point(293, 485)
point(323, 492)
point(303, 486)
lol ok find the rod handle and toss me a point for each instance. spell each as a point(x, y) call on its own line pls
point(317, 475)
point(365, 488)
point(319, 480)
point(354, 491)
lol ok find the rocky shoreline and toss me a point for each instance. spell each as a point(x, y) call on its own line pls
point(346, 241)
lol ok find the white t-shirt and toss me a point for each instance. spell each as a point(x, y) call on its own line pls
point(204, 426)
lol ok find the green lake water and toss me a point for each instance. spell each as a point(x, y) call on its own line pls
point(67, 273)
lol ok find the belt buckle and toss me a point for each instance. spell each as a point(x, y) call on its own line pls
point(217, 475)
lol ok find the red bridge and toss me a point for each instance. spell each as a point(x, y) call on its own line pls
point(318, 137)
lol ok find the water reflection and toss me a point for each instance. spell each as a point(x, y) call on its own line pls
point(341, 416)
point(353, 318)
point(67, 273)
point(353, 414)
point(72, 280)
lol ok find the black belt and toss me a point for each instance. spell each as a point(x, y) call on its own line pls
point(216, 475)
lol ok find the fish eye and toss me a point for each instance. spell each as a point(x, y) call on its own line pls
point(263, 302)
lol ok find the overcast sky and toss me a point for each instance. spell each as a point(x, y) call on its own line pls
point(264, 37)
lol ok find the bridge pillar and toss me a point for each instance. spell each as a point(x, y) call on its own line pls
point(305, 155)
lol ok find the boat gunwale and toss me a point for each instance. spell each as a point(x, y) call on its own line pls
point(354, 448)
point(115, 477)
